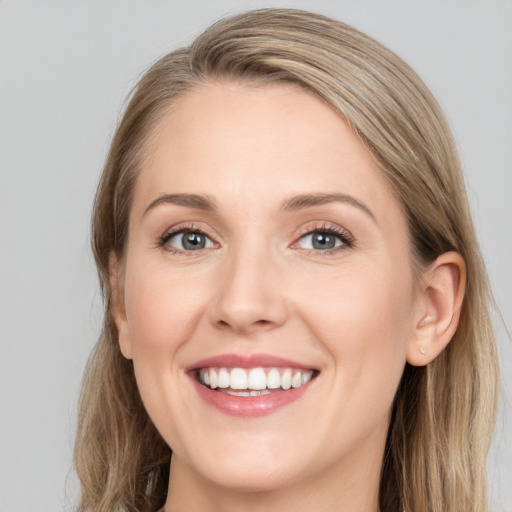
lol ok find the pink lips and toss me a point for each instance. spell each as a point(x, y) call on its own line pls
point(252, 406)
point(246, 361)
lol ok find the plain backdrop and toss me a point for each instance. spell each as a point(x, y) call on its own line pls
point(66, 67)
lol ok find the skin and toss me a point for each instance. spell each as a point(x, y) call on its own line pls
point(356, 314)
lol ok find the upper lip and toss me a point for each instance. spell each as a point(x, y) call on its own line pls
point(247, 361)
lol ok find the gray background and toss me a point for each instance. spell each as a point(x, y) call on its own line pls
point(66, 67)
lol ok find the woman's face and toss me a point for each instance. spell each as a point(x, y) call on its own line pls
point(267, 254)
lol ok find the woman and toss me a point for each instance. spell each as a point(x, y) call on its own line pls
point(296, 306)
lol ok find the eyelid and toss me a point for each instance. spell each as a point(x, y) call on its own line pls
point(343, 234)
point(348, 240)
point(183, 228)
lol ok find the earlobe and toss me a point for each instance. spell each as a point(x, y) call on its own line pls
point(117, 306)
point(443, 290)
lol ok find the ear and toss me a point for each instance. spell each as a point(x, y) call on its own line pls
point(117, 304)
point(442, 291)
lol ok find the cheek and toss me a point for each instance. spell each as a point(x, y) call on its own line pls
point(360, 300)
point(363, 320)
point(162, 309)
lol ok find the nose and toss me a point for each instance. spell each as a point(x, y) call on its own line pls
point(249, 296)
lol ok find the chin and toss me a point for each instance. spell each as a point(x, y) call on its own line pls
point(250, 477)
point(248, 463)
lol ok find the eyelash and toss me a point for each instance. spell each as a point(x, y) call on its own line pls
point(346, 238)
point(190, 228)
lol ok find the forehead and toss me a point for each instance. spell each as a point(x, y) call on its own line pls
point(244, 142)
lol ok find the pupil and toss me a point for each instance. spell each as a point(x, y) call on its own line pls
point(323, 241)
point(193, 241)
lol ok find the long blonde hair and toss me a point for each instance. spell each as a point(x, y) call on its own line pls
point(443, 415)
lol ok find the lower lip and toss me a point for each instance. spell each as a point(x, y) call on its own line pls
point(249, 406)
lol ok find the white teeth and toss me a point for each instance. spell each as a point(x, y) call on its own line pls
point(237, 393)
point(252, 392)
point(223, 378)
point(213, 378)
point(273, 379)
point(296, 380)
point(286, 379)
point(238, 379)
point(254, 382)
point(306, 377)
point(257, 379)
point(260, 392)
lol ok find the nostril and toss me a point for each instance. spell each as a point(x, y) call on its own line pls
point(257, 323)
point(246, 328)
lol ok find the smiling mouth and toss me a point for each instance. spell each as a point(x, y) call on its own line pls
point(246, 382)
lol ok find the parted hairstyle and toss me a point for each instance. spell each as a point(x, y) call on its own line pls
point(443, 414)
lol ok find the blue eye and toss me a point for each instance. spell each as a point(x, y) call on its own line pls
point(188, 241)
point(324, 240)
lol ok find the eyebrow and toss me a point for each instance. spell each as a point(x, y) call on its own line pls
point(309, 200)
point(206, 203)
point(197, 201)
